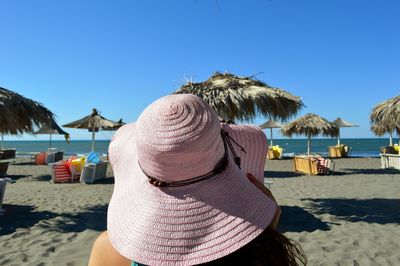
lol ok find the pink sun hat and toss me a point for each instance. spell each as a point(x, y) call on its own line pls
point(198, 206)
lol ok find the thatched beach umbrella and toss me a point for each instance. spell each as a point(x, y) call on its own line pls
point(271, 124)
point(53, 129)
point(385, 117)
point(310, 125)
point(381, 130)
point(93, 122)
point(118, 124)
point(339, 122)
point(242, 98)
point(21, 115)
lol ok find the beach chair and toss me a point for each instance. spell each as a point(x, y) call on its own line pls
point(32, 156)
point(305, 164)
point(390, 161)
point(41, 158)
point(54, 155)
point(313, 165)
point(325, 166)
point(389, 150)
point(8, 153)
point(347, 151)
point(48, 157)
point(92, 172)
point(60, 173)
point(3, 183)
point(339, 151)
point(58, 156)
point(275, 152)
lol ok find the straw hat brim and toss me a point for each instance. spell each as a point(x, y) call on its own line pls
point(185, 225)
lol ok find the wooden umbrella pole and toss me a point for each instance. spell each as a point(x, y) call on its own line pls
point(338, 138)
point(308, 144)
point(391, 138)
point(93, 138)
point(272, 143)
point(50, 141)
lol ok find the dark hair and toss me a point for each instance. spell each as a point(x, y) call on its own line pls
point(269, 248)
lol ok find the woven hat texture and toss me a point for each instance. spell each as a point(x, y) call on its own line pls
point(177, 138)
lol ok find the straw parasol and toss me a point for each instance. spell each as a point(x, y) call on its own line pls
point(53, 129)
point(385, 117)
point(339, 122)
point(93, 122)
point(21, 115)
point(310, 125)
point(271, 124)
point(381, 130)
point(118, 124)
point(242, 98)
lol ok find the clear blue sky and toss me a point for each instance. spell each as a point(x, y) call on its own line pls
point(341, 56)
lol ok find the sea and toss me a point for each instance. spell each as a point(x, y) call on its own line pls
point(361, 147)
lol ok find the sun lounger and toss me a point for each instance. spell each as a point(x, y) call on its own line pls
point(92, 172)
point(313, 165)
point(6, 156)
point(40, 158)
point(48, 157)
point(60, 173)
point(339, 151)
point(3, 183)
point(389, 150)
point(390, 161)
point(275, 152)
point(3, 168)
point(7, 153)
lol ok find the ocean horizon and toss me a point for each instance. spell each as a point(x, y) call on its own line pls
point(361, 147)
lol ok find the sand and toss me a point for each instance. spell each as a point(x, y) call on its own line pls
point(349, 218)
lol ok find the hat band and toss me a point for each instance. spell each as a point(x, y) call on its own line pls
point(219, 167)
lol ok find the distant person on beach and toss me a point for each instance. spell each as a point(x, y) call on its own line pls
point(188, 190)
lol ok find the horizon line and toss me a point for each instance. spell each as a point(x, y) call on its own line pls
point(267, 138)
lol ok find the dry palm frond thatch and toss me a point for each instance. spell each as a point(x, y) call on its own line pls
point(94, 122)
point(339, 122)
point(242, 98)
point(310, 125)
point(53, 129)
point(381, 130)
point(271, 124)
point(20, 114)
point(385, 116)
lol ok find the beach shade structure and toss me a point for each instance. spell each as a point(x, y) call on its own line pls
point(381, 130)
point(53, 129)
point(118, 124)
point(339, 122)
point(271, 124)
point(93, 122)
point(385, 117)
point(19, 114)
point(310, 125)
point(242, 98)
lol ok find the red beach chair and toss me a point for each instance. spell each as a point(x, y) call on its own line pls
point(60, 172)
point(40, 158)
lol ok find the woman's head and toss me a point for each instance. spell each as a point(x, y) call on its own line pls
point(193, 210)
point(173, 132)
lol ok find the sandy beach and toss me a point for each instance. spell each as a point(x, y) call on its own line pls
point(349, 218)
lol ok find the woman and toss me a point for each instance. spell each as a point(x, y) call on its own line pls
point(182, 195)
